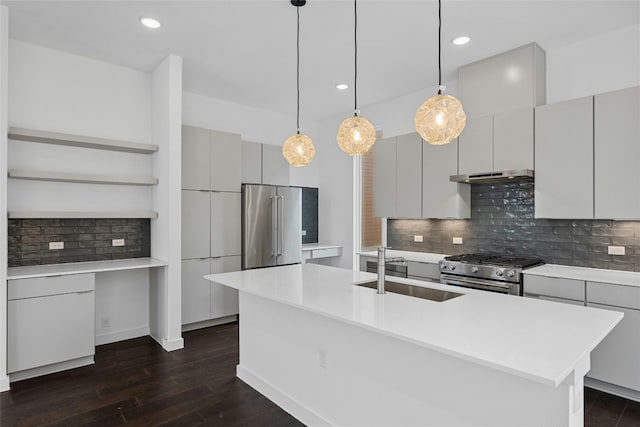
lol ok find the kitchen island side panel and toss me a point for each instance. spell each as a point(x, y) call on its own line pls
point(327, 372)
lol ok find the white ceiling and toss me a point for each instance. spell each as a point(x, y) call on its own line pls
point(244, 51)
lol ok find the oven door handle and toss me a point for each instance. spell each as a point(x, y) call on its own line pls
point(448, 279)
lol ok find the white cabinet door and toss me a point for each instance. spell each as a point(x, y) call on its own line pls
point(226, 157)
point(385, 179)
point(442, 198)
point(564, 159)
point(224, 300)
point(476, 146)
point(251, 162)
point(513, 140)
point(554, 287)
point(49, 329)
point(409, 176)
point(617, 154)
point(195, 224)
point(195, 158)
point(225, 224)
point(196, 291)
point(275, 168)
point(616, 359)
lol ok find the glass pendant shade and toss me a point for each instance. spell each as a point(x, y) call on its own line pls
point(356, 136)
point(298, 149)
point(440, 119)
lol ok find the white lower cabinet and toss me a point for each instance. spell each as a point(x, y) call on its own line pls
point(50, 320)
point(203, 300)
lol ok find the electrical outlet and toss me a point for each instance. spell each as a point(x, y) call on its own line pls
point(117, 242)
point(457, 240)
point(615, 250)
point(418, 238)
point(304, 232)
point(56, 245)
point(106, 322)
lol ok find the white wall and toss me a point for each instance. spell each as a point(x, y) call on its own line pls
point(253, 124)
point(600, 64)
point(56, 91)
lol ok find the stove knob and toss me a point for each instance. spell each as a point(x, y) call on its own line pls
point(474, 269)
point(510, 273)
point(443, 266)
point(452, 267)
point(499, 273)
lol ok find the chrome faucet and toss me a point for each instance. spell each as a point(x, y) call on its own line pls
point(382, 261)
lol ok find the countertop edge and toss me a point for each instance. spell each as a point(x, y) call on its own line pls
point(49, 270)
point(588, 274)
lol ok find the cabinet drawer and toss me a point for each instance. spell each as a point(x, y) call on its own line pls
point(423, 270)
point(554, 287)
point(615, 295)
point(327, 252)
point(54, 285)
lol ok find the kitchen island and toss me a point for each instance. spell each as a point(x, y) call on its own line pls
point(331, 353)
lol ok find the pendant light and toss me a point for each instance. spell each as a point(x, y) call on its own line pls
point(441, 118)
point(298, 149)
point(356, 135)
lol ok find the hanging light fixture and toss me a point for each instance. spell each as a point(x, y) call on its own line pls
point(356, 135)
point(441, 118)
point(298, 149)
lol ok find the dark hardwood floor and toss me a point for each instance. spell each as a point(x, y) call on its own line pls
point(136, 382)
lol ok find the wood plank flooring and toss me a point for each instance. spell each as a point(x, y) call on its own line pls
point(136, 382)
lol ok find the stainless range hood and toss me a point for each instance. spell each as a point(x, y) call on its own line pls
point(489, 177)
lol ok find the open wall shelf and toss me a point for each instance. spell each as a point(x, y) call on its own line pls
point(30, 135)
point(81, 178)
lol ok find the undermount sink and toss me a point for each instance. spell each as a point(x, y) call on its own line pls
point(413, 291)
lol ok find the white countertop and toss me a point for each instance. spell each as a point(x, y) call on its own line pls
point(517, 335)
point(628, 278)
point(408, 255)
point(82, 267)
point(312, 246)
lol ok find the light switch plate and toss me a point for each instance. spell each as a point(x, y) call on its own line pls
point(457, 240)
point(56, 245)
point(418, 238)
point(117, 242)
point(304, 232)
point(615, 250)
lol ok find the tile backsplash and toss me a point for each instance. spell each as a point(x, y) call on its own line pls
point(84, 240)
point(502, 221)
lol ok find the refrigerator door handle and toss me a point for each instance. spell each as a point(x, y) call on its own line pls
point(274, 225)
point(280, 223)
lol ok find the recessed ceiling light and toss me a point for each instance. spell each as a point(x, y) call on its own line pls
point(460, 40)
point(149, 22)
point(342, 86)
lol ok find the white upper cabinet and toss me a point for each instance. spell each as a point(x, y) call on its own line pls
point(513, 140)
point(442, 198)
point(617, 154)
point(195, 224)
point(195, 158)
point(476, 146)
point(564, 159)
point(226, 157)
point(251, 162)
point(408, 176)
point(275, 168)
point(385, 178)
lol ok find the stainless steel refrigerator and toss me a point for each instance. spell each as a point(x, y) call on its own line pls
point(271, 226)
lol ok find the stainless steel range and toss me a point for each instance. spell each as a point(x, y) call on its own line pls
point(489, 272)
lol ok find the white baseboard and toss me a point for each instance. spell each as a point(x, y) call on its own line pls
point(208, 323)
point(627, 393)
point(126, 334)
point(172, 345)
point(4, 383)
point(50, 369)
point(286, 402)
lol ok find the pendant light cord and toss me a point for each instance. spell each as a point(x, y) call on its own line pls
point(298, 70)
point(355, 56)
point(439, 47)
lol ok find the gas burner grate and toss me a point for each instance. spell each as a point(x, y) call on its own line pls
point(496, 259)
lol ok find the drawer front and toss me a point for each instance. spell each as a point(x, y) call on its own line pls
point(615, 295)
point(53, 285)
point(424, 270)
point(324, 253)
point(554, 287)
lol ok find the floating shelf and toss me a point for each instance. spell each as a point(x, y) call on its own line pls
point(30, 135)
point(80, 214)
point(82, 178)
